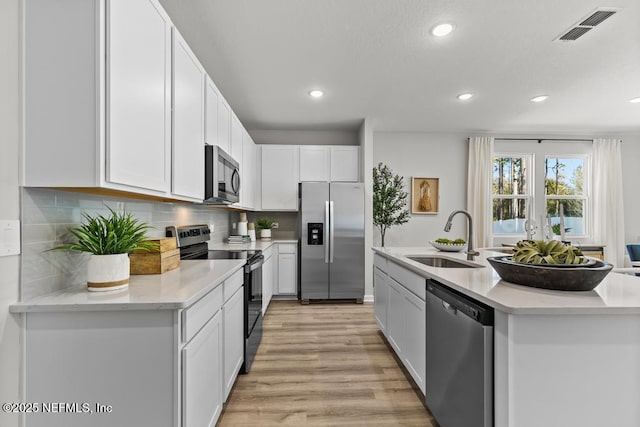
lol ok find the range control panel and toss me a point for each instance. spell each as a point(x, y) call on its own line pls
point(314, 233)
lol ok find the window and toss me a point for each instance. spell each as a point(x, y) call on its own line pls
point(540, 181)
point(511, 193)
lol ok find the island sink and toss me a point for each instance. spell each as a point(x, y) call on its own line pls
point(436, 261)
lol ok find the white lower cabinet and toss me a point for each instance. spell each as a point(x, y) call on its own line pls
point(154, 367)
point(268, 277)
point(287, 268)
point(202, 394)
point(399, 310)
point(380, 298)
point(233, 318)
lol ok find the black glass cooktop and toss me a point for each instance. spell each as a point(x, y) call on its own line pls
point(232, 254)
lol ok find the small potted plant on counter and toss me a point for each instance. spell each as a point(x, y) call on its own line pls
point(109, 240)
point(265, 225)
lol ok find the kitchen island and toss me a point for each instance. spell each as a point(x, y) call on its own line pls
point(560, 358)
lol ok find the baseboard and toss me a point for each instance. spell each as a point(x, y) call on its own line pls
point(368, 298)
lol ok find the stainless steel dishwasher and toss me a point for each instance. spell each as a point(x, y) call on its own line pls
point(459, 369)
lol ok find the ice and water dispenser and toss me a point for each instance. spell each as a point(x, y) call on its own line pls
point(314, 233)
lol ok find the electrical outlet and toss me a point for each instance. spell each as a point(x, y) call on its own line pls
point(275, 225)
point(212, 227)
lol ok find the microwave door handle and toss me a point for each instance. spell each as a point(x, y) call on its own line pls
point(235, 178)
point(326, 231)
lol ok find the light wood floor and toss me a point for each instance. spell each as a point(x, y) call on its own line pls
point(323, 364)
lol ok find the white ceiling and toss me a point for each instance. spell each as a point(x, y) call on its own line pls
point(376, 59)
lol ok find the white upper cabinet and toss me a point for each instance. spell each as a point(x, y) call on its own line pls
point(248, 172)
point(279, 177)
point(188, 121)
point(210, 112)
point(314, 163)
point(344, 163)
point(224, 124)
point(97, 103)
point(137, 98)
point(329, 163)
point(237, 132)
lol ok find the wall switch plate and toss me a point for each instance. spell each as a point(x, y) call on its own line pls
point(212, 227)
point(9, 237)
point(275, 225)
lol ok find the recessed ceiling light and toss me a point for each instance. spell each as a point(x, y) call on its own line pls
point(539, 98)
point(441, 30)
point(316, 93)
point(635, 100)
point(465, 96)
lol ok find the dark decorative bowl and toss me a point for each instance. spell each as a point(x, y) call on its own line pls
point(547, 276)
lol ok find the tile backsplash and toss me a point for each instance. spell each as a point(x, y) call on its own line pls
point(48, 214)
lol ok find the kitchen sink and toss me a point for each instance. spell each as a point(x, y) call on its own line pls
point(436, 261)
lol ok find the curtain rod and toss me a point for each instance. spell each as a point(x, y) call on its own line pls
point(543, 139)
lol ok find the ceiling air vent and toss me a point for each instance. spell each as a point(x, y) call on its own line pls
point(587, 23)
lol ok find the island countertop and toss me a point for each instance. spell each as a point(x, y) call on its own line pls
point(617, 293)
point(175, 289)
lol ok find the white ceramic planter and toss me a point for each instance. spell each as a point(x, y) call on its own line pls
point(265, 233)
point(107, 272)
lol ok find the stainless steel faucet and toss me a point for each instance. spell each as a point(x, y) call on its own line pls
point(470, 252)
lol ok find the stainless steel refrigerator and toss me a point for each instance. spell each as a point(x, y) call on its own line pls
point(331, 222)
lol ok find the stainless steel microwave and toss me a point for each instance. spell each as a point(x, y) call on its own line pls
point(221, 177)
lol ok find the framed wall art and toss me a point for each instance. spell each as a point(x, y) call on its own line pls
point(425, 194)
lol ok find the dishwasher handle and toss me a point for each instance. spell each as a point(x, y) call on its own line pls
point(458, 302)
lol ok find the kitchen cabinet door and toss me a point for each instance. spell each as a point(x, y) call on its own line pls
point(248, 172)
point(287, 267)
point(395, 317)
point(314, 163)
point(279, 177)
point(380, 298)
point(267, 282)
point(237, 133)
point(344, 163)
point(233, 323)
point(224, 124)
point(138, 96)
point(188, 122)
point(415, 357)
point(211, 97)
point(202, 381)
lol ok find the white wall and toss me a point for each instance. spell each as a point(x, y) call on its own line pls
point(427, 155)
point(9, 205)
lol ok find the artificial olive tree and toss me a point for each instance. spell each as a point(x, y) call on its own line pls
point(389, 199)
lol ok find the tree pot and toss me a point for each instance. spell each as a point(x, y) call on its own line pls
point(108, 272)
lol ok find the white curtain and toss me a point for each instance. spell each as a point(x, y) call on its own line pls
point(479, 189)
point(608, 210)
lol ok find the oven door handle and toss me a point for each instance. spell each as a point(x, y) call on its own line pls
point(254, 265)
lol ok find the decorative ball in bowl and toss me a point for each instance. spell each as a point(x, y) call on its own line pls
point(448, 245)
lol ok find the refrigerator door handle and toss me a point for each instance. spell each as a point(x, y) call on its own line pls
point(325, 231)
point(331, 222)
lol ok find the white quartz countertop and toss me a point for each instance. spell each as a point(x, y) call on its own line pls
point(174, 289)
point(617, 293)
point(259, 244)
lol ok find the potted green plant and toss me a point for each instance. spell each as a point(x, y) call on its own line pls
point(389, 199)
point(109, 239)
point(265, 225)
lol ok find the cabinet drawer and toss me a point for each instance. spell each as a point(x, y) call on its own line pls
point(410, 280)
point(380, 262)
point(287, 248)
point(232, 284)
point(195, 317)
